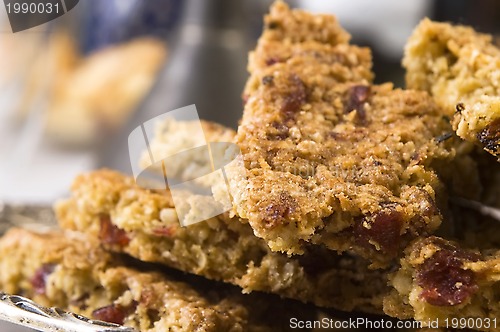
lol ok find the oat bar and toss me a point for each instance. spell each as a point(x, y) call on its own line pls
point(461, 69)
point(328, 158)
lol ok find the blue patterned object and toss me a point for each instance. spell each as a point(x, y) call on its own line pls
point(112, 21)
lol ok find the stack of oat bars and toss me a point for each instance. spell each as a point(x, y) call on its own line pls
point(347, 198)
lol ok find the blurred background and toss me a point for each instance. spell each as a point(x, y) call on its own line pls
point(73, 89)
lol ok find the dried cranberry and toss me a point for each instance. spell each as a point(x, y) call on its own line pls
point(279, 210)
point(296, 97)
point(383, 228)
point(358, 96)
point(39, 279)
point(111, 313)
point(110, 234)
point(444, 280)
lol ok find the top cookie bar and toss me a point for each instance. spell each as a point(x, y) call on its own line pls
point(461, 69)
point(330, 159)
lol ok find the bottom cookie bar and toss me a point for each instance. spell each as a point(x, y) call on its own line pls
point(143, 223)
point(73, 273)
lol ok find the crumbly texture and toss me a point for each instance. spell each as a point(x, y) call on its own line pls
point(72, 272)
point(438, 279)
point(330, 159)
point(461, 69)
point(310, 45)
point(143, 223)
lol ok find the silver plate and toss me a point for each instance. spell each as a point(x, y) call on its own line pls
point(22, 311)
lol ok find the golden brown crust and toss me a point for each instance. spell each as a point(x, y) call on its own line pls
point(314, 45)
point(312, 174)
point(143, 223)
point(460, 68)
point(298, 26)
